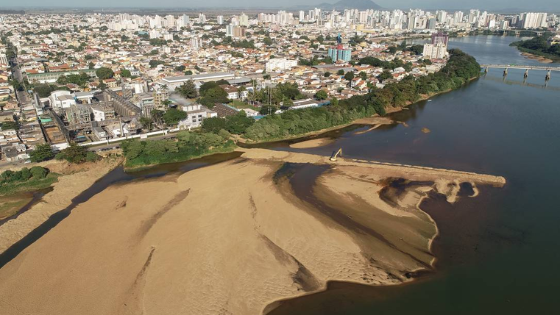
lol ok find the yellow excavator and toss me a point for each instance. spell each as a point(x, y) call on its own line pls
point(335, 154)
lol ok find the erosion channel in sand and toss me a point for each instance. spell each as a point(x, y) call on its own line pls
point(231, 238)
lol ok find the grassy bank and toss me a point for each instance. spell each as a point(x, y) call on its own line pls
point(539, 46)
point(10, 206)
point(28, 186)
point(533, 52)
point(187, 146)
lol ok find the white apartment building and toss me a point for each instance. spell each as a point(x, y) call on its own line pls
point(196, 113)
point(437, 51)
point(274, 65)
point(61, 99)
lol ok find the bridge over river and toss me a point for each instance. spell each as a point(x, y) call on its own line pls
point(548, 69)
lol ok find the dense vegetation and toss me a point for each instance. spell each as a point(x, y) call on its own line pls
point(539, 45)
point(459, 69)
point(212, 93)
point(80, 79)
point(25, 180)
point(77, 154)
point(74, 154)
point(390, 65)
point(236, 124)
point(188, 145)
point(42, 152)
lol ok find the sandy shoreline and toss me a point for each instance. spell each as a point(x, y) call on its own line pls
point(227, 239)
point(536, 57)
point(75, 180)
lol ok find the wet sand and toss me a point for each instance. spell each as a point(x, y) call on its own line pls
point(230, 238)
point(312, 143)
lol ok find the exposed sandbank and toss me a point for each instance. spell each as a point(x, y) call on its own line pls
point(312, 143)
point(225, 239)
point(75, 179)
point(536, 57)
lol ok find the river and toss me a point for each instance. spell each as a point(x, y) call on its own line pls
point(497, 253)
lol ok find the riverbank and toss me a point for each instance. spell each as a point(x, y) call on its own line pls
point(73, 180)
point(536, 54)
point(261, 242)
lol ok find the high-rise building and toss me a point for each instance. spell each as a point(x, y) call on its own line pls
point(220, 19)
point(201, 18)
point(437, 49)
point(243, 20)
point(339, 52)
point(440, 37)
point(432, 23)
point(186, 19)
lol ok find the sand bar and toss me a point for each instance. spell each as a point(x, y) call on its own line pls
point(225, 239)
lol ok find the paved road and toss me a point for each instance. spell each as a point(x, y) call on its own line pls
point(23, 97)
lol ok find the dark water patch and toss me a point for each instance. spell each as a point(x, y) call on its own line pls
point(116, 176)
point(465, 190)
point(36, 197)
point(394, 188)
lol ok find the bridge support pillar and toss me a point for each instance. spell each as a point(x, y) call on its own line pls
point(547, 77)
point(505, 71)
point(486, 70)
point(526, 73)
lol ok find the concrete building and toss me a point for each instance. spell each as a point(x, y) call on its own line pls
point(196, 113)
point(61, 100)
point(281, 64)
point(174, 82)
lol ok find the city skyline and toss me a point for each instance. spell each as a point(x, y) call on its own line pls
point(499, 6)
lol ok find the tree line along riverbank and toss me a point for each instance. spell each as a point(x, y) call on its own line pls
point(216, 133)
point(540, 46)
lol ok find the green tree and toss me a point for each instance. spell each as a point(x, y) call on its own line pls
point(238, 123)
point(327, 74)
point(38, 172)
point(125, 73)
point(349, 76)
point(43, 90)
point(213, 96)
point(42, 152)
point(62, 80)
point(321, 95)
point(213, 124)
point(267, 41)
point(173, 116)
point(187, 89)
point(385, 75)
point(104, 73)
point(340, 72)
point(363, 75)
point(74, 154)
point(132, 148)
point(334, 101)
point(147, 123)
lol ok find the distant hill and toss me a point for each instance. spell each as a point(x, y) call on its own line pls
point(349, 4)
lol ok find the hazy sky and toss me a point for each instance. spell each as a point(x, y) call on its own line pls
point(534, 5)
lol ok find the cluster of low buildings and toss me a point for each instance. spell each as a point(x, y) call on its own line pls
point(149, 57)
